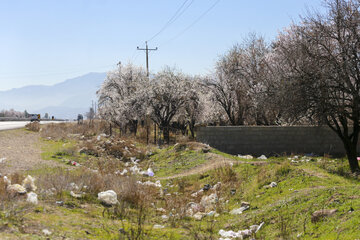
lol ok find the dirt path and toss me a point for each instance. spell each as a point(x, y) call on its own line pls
point(19, 151)
point(214, 161)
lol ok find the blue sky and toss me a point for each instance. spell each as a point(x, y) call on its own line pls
point(48, 41)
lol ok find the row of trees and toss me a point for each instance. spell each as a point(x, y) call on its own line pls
point(310, 74)
point(128, 97)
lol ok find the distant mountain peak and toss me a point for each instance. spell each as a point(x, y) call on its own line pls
point(63, 100)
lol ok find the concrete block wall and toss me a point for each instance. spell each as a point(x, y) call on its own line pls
point(272, 140)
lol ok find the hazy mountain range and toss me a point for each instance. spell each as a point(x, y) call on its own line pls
point(62, 100)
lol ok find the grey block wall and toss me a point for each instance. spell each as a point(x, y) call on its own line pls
point(272, 140)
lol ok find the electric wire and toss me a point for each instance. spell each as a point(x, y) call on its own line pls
point(180, 11)
point(192, 24)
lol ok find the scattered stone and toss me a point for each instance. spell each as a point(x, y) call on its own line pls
point(271, 185)
point(60, 203)
point(318, 215)
point(244, 204)
point(193, 208)
point(161, 210)
point(74, 186)
point(245, 156)
point(198, 216)
point(46, 232)
point(76, 195)
point(164, 217)
point(232, 191)
point(208, 202)
point(108, 197)
point(240, 210)
point(32, 198)
point(157, 226)
point(2, 160)
point(206, 149)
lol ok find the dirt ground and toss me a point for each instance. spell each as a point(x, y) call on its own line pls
point(20, 150)
point(213, 161)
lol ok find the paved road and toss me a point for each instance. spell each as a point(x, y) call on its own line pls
point(18, 124)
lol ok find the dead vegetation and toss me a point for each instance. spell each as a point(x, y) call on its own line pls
point(33, 126)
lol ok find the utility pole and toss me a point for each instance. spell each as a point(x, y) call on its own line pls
point(147, 49)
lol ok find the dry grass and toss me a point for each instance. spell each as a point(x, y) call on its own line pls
point(34, 126)
point(61, 131)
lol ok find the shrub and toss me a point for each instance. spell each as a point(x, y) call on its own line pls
point(34, 126)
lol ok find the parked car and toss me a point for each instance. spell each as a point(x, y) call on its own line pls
point(35, 118)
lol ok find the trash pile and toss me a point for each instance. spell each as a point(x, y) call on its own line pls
point(241, 234)
point(105, 145)
point(27, 187)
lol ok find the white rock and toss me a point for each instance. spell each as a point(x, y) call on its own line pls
point(2, 160)
point(32, 198)
point(239, 210)
point(164, 217)
point(245, 156)
point(157, 226)
point(161, 210)
point(273, 184)
point(75, 195)
point(198, 216)
point(263, 157)
point(208, 202)
point(74, 186)
point(46, 232)
point(108, 197)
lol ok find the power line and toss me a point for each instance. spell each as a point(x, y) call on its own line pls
point(193, 23)
point(180, 11)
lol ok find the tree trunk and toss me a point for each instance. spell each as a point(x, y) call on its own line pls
point(166, 134)
point(192, 129)
point(351, 152)
point(133, 126)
